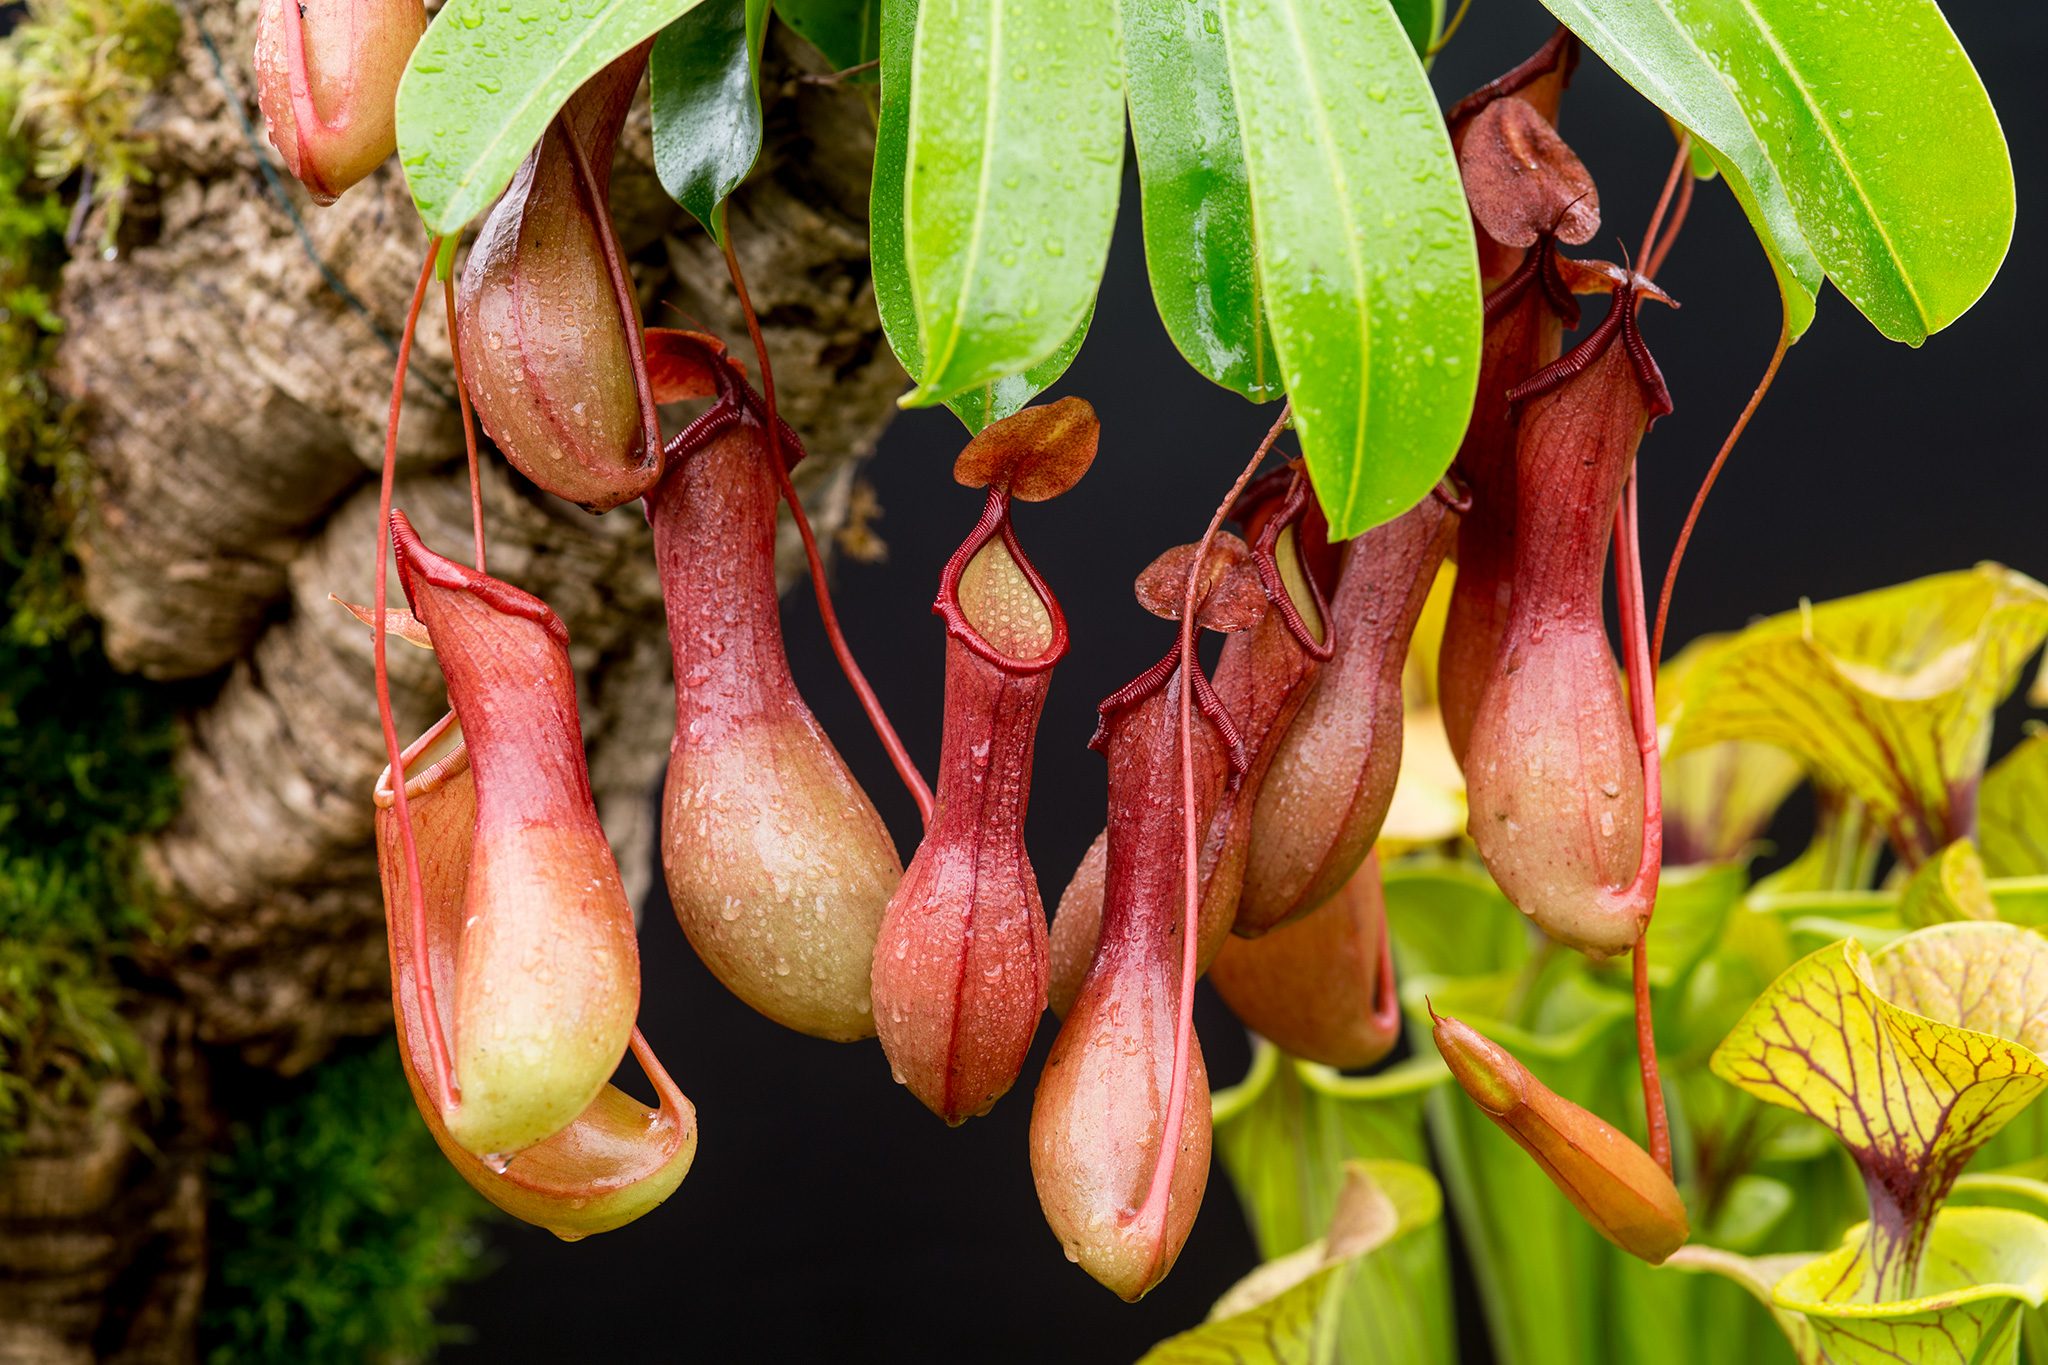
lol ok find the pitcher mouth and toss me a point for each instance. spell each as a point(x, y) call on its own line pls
point(995, 521)
point(440, 754)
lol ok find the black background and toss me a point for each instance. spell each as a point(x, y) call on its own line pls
point(829, 1216)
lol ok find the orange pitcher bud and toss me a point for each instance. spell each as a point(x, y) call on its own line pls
point(1612, 1182)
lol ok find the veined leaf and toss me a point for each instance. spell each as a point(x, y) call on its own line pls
point(486, 78)
point(1858, 140)
point(1013, 166)
point(894, 300)
point(1914, 1057)
point(848, 32)
point(2012, 811)
point(1983, 1266)
point(705, 97)
point(1364, 247)
point(1887, 696)
point(1285, 1133)
point(1197, 199)
point(1286, 1312)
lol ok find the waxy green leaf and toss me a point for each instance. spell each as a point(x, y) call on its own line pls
point(1858, 139)
point(1286, 1133)
point(848, 32)
point(2012, 811)
point(1914, 1057)
point(1287, 1312)
point(1886, 696)
point(894, 299)
point(705, 97)
point(1197, 199)
point(1364, 247)
point(1013, 162)
point(485, 80)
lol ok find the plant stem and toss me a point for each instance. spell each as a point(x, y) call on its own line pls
point(1159, 1195)
point(899, 756)
point(423, 979)
point(476, 490)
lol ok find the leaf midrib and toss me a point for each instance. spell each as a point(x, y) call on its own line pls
point(1827, 133)
point(936, 365)
point(1305, 72)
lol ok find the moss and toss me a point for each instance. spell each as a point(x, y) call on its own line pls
point(338, 1224)
point(86, 753)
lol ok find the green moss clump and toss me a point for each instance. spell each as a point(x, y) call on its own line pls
point(86, 754)
point(339, 1224)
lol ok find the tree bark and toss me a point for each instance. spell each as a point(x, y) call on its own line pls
point(235, 402)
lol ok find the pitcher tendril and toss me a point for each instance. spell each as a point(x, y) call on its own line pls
point(448, 1085)
point(1154, 1207)
point(899, 755)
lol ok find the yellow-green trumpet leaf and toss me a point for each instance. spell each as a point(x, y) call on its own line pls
point(1887, 695)
point(1914, 1056)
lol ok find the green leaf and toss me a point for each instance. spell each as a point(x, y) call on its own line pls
point(1364, 247)
point(2012, 810)
point(893, 295)
point(1014, 162)
point(705, 96)
point(1914, 1057)
point(1285, 1134)
point(1983, 1266)
point(1197, 200)
point(1287, 1311)
point(486, 78)
point(1887, 696)
point(1858, 139)
point(848, 32)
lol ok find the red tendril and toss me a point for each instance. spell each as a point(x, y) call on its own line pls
point(899, 756)
point(476, 490)
point(1159, 1195)
point(622, 293)
point(444, 1068)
